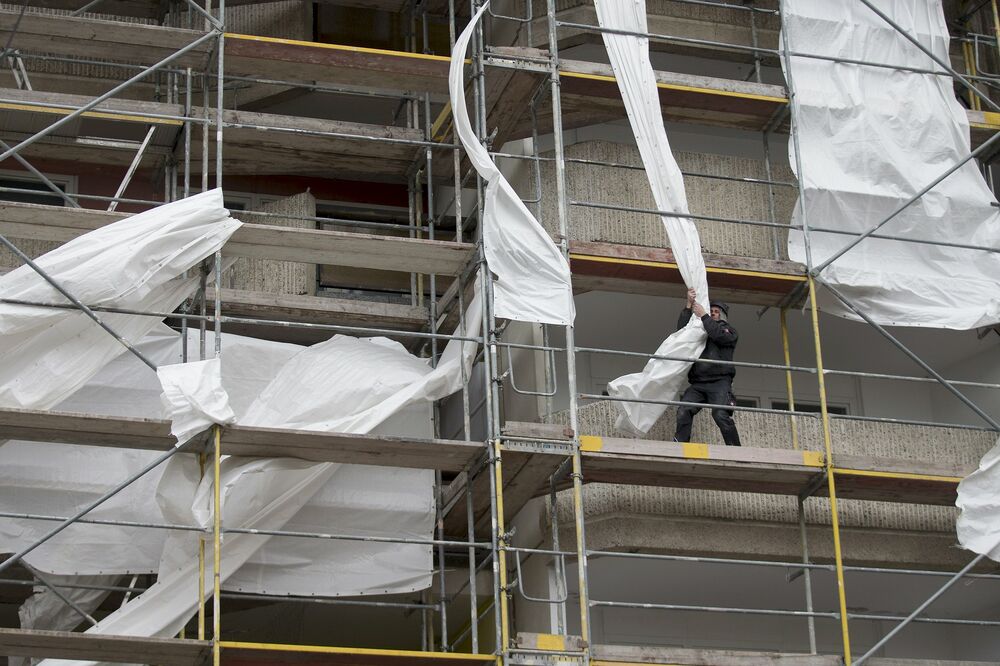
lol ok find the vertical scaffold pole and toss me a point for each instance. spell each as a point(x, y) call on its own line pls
point(470, 521)
point(217, 549)
point(442, 590)
point(788, 379)
point(201, 567)
point(188, 103)
point(824, 413)
point(501, 531)
point(830, 480)
point(563, 213)
point(996, 25)
point(217, 462)
point(807, 575)
point(219, 103)
point(769, 174)
point(491, 397)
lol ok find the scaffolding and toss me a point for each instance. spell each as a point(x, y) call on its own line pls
point(490, 467)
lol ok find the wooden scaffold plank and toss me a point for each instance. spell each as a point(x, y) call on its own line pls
point(55, 223)
point(95, 647)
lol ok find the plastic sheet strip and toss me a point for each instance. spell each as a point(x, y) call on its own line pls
point(659, 379)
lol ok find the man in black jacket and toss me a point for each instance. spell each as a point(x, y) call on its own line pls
point(711, 383)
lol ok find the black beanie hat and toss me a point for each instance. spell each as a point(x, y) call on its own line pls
point(722, 306)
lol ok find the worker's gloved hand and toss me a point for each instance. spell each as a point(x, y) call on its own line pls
point(691, 298)
point(698, 310)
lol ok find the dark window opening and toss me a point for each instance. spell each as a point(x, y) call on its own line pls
point(40, 192)
point(811, 407)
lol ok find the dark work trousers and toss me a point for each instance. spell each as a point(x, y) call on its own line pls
point(715, 393)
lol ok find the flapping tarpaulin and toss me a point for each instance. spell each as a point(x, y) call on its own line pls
point(978, 524)
point(45, 353)
point(193, 397)
point(532, 279)
point(870, 139)
point(660, 379)
point(342, 385)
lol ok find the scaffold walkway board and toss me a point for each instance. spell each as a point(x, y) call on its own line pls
point(271, 313)
point(525, 469)
point(187, 652)
point(631, 655)
point(590, 93)
point(525, 472)
point(650, 270)
point(315, 246)
point(758, 470)
point(151, 10)
point(285, 144)
point(263, 305)
point(114, 649)
point(154, 434)
point(590, 96)
point(239, 654)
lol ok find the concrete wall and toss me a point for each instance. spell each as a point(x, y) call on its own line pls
point(981, 365)
point(287, 19)
point(613, 503)
point(629, 188)
point(277, 277)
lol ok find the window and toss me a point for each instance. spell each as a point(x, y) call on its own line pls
point(812, 407)
point(347, 282)
point(40, 192)
point(746, 402)
point(240, 201)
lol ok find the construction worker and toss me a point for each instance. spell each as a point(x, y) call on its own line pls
point(711, 383)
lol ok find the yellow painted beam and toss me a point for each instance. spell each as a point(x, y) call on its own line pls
point(682, 88)
point(551, 642)
point(601, 662)
point(339, 47)
point(695, 450)
point(671, 265)
point(992, 119)
point(325, 649)
point(896, 475)
point(105, 115)
point(442, 123)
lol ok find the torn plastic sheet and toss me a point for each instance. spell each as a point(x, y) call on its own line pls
point(55, 479)
point(872, 137)
point(46, 353)
point(193, 397)
point(531, 276)
point(364, 384)
point(45, 610)
point(978, 526)
point(659, 379)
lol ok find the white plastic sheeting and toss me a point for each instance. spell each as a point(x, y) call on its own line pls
point(870, 138)
point(978, 526)
point(344, 385)
point(45, 610)
point(532, 278)
point(193, 397)
point(660, 379)
point(45, 353)
point(57, 479)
